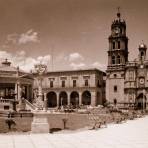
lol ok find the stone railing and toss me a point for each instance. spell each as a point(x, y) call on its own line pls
point(31, 106)
point(6, 100)
point(131, 64)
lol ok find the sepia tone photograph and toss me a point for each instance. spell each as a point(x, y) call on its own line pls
point(73, 73)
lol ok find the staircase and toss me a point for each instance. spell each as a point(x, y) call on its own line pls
point(29, 106)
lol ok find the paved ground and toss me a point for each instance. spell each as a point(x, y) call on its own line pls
point(132, 134)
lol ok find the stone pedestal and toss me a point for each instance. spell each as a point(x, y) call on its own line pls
point(40, 123)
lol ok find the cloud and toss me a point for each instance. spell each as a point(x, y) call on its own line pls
point(12, 38)
point(25, 62)
point(75, 57)
point(44, 59)
point(29, 36)
point(21, 39)
point(77, 65)
point(5, 55)
point(99, 66)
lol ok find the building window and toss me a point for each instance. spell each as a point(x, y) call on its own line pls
point(86, 82)
point(118, 59)
point(121, 30)
point(98, 83)
point(115, 88)
point(113, 59)
point(115, 101)
point(131, 75)
point(51, 84)
point(113, 45)
point(63, 83)
point(115, 75)
point(118, 44)
point(74, 83)
point(142, 56)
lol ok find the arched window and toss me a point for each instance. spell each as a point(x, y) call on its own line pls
point(115, 88)
point(113, 45)
point(118, 59)
point(113, 59)
point(115, 75)
point(118, 44)
point(142, 56)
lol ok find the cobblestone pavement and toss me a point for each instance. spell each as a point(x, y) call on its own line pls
point(131, 134)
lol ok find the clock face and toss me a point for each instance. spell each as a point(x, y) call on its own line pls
point(141, 80)
point(117, 30)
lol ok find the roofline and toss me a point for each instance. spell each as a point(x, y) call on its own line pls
point(70, 71)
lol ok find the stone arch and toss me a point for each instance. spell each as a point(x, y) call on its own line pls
point(86, 98)
point(141, 101)
point(51, 99)
point(74, 98)
point(63, 98)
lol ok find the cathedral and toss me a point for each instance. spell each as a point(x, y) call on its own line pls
point(126, 81)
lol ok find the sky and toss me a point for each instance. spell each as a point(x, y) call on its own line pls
point(67, 34)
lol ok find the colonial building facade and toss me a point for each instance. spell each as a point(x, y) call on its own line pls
point(77, 87)
point(14, 85)
point(127, 81)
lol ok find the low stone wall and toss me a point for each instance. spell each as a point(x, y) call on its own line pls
point(74, 121)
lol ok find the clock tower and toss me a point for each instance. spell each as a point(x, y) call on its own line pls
point(117, 59)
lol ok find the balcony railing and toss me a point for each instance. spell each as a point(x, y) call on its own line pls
point(131, 64)
point(6, 100)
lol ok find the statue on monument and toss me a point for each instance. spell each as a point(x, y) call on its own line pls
point(40, 69)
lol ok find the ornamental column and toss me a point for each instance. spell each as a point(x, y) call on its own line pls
point(19, 91)
point(58, 98)
point(68, 97)
point(16, 98)
point(93, 100)
point(80, 98)
point(40, 122)
point(40, 69)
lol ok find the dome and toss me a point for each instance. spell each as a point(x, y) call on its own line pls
point(142, 45)
point(5, 66)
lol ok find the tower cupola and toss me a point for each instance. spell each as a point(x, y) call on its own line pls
point(142, 51)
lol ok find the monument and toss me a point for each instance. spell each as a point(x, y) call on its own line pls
point(40, 121)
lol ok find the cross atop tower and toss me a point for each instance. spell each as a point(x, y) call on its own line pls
point(118, 12)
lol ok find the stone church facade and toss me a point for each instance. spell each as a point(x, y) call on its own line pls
point(126, 81)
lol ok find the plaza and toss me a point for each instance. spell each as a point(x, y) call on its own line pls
point(131, 134)
point(65, 98)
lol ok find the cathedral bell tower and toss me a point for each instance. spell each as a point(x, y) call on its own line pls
point(117, 59)
point(142, 52)
point(118, 45)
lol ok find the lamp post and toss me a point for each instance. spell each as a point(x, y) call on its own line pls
point(40, 69)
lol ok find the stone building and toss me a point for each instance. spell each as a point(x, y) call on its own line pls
point(127, 81)
point(77, 87)
point(14, 85)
